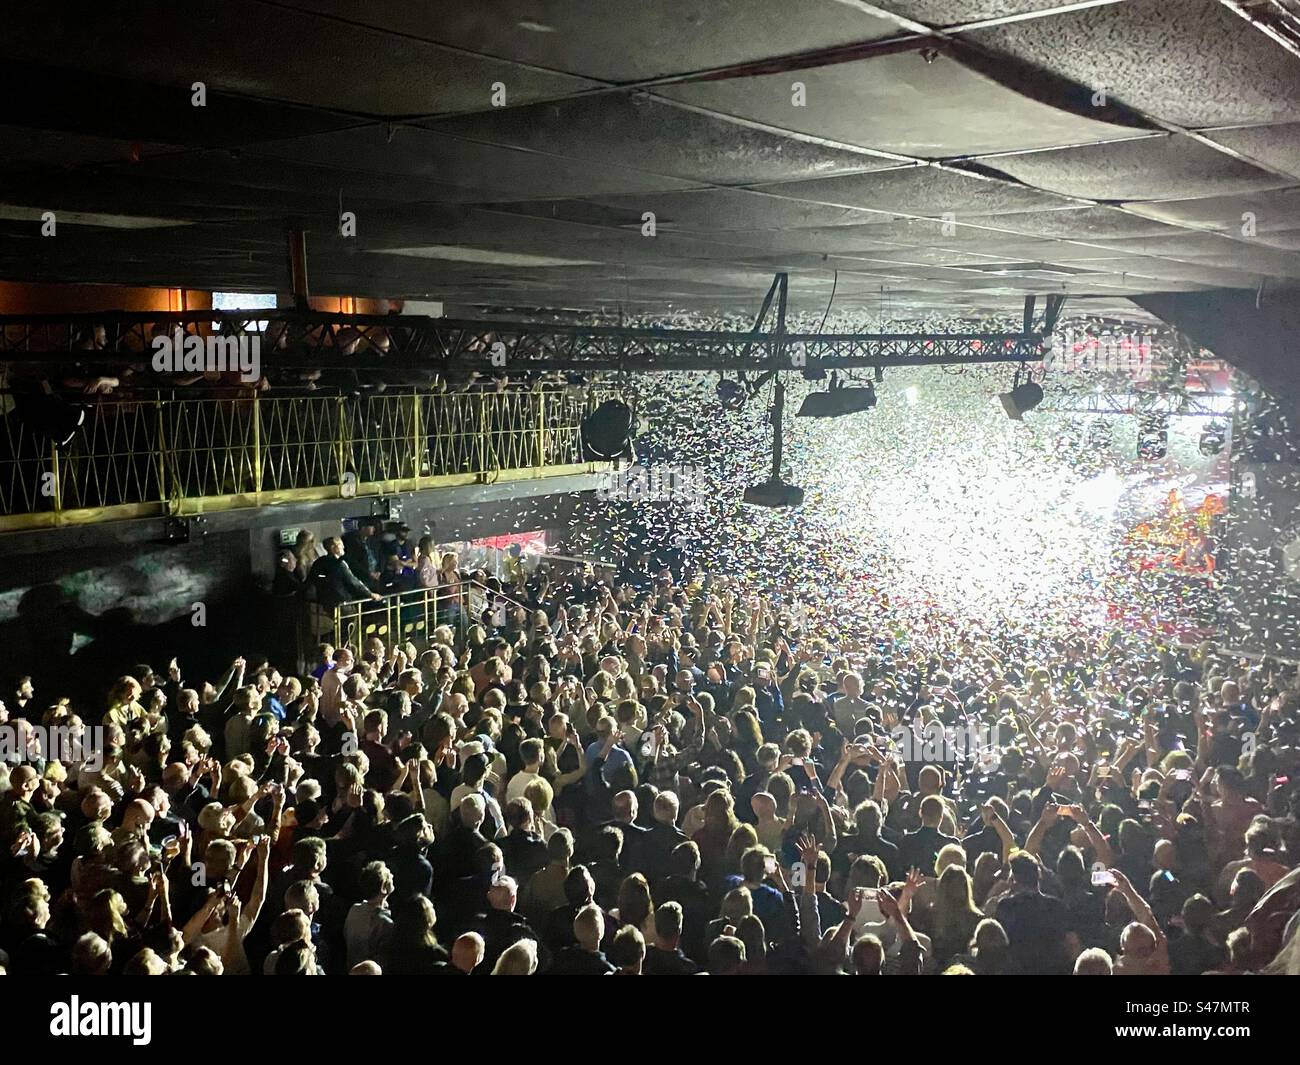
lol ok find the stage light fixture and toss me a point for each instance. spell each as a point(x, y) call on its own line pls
point(731, 394)
point(837, 401)
point(1153, 436)
point(49, 416)
point(1021, 399)
point(1213, 438)
point(607, 432)
point(774, 493)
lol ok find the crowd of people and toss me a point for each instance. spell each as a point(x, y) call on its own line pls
point(660, 775)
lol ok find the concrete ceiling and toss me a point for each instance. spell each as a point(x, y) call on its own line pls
point(949, 156)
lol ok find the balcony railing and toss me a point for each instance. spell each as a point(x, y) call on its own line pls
point(172, 454)
point(404, 616)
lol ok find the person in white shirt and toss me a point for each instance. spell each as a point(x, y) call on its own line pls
point(473, 775)
point(531, 753)
point(850, 705)
point(331, 686)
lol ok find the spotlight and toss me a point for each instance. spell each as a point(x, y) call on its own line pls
point(1213, 438)
point(607, 432)
point(1021, 398)
point(1153, 436)
point(49, 416)
point(731, 394)
point(774, 493)
point(837, 402)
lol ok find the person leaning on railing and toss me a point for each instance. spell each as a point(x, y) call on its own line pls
point(332, 579)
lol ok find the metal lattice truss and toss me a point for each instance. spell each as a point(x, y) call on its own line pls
point(317, 340)
point(1136, 403)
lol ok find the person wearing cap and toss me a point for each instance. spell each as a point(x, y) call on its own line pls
point(361, 552)
point(397, 541)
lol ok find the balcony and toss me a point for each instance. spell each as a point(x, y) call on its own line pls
point(172, 454)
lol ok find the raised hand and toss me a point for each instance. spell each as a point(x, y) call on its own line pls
point(889, 906)
point(808, 851)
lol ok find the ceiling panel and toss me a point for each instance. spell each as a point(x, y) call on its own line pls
point(476, 171)
point(269, 51)
point(655, 136)
point(1191, 62)
point(931, 109)
point(1277, 147)
point(920, 191)
point(620, 40)
point(1154, 168)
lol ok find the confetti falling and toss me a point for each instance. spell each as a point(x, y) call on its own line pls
point(932, 507)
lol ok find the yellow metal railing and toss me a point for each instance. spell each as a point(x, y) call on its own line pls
point(395, 619)
point(404, 616)
point(175, 454)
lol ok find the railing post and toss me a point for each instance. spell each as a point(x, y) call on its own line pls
point(482, 436)
point(540, 413)
point(340, 438)
point(164, 494)
point(416, 437)
point(257, 444)
point(57, 485)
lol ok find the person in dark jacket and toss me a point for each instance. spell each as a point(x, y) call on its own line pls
point(334, 583)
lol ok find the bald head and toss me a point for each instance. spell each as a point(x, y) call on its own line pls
point(23, 781)
point(467, 952)
point(137, 815)
point(503, 894)
point(625, 807)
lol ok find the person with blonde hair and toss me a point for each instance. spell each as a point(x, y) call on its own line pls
point(1094, 962)
point(953, 916)
point(519, 959)
point(91, 956)
point(124, 707)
